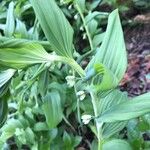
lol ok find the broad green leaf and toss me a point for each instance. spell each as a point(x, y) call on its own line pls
point(3, 110)
point(66, 139)
point(103, 75)
point(5, 76)
point(14, 42)
point(41, 126)
point(53, 133)
point(10, 22)
point(43, 82)
point(4, 88)
point(134, 135)
point(116, 144)
point(52, 109)
point(9, 129)
point(133, 108)
point(81, 4)
point(20, 31)
point(55, 26)
point(23, 55)
point(112, 53)
point(93, 4)
point(98, 39)
point(95, 14)
point(92, 26)
point(113, 98)
point(110, 129)
point(29, 134)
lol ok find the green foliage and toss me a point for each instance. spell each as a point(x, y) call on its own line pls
point(55, 26)
point(46, 92)
point(128, 109)
point(116, 144)
point(52, 109)
point(112, 54)
point(10, 23)
point(23, 55)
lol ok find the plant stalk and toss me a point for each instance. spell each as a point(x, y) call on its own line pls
point(98, 125)
point(85, 25)
point(71, 62)
point(78, 103)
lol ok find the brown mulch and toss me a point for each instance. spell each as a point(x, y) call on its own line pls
point(137, 77)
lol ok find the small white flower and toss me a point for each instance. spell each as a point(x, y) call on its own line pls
point(81, 95)
point(76, 17)
point(70, 80)
point(84, 36)
point(86, 119)
point(81, 28)
point(19, 131)
point(70, 7)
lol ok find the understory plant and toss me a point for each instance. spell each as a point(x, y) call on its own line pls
point(47, 96)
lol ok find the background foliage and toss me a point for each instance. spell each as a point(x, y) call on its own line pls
point(41, 102)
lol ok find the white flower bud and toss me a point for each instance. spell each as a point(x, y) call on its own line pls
point(84, 36)
point(81, 28)
point(70, 7)
point(86, 119)
point(70, 80)
point(76, 17)
point(81, 95)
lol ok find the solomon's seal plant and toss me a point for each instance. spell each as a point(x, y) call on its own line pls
point(45, 90)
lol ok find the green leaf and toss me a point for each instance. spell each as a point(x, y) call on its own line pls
point(41, 126)
point(15, 42)
point(112, 53)
point(4, 88)
point(113, 98)
point(55, 26)
point(10, 22)
point(43, 82)
point(105, 77)
point(5, 76)
point(93, 4)
point(52, 109)
point(81, 3)
point(9, 129)
point(133, 108)
point(95, 14)
point(29, 134)
point(23, 55)
point(110, 129)
point(116, 144)
point(3, 111)
point(134, 135)
point(92, 26)
point(98, 39)
point(20, 31)
point(66, 139)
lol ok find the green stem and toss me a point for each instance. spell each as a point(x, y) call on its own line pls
point(68, 123)
point(68, 61)
point(99, 145)
point(85, 25)
point(98, 125)
point(78, 103)
point(84, 56)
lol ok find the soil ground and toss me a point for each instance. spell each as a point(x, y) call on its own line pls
point(137, 77)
